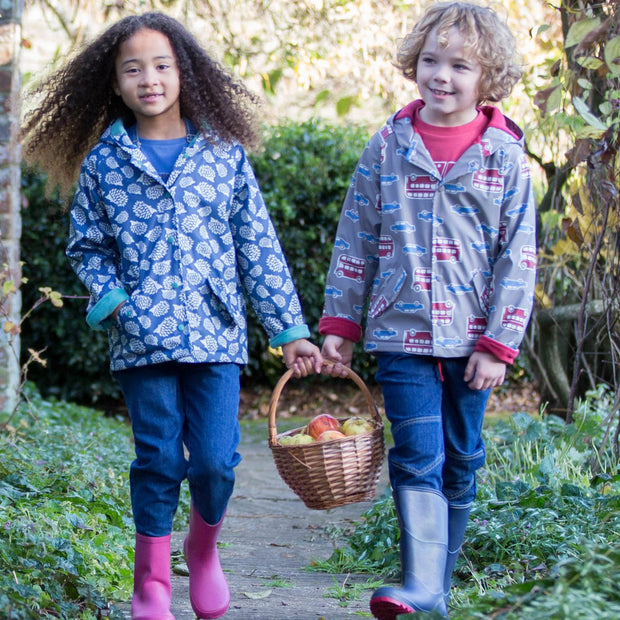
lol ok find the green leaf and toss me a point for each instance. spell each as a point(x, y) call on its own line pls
point(579, 30)
point(270, 80)
point(590, 62)
point(344, 104)
point(8, 287)
point(584, 111)
point(612, 56)
point(322, 96)
point(510, 491)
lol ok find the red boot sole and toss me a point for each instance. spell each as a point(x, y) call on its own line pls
point(385, 608)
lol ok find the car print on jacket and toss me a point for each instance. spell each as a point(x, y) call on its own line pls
point(466, 243)
point(420, 187)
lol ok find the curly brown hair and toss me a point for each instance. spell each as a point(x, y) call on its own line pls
point(486, 36)
point(76, 103)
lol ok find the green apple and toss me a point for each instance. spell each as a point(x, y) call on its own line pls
point(298, 439)
point(356, 426)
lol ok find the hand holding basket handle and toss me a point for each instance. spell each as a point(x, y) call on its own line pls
point(331, 473)
point(302, 357)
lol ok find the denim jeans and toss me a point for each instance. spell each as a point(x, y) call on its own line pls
point(173, 405)
point(436, 422)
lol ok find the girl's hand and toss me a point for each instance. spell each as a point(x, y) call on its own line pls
point(302, 357)
point(340, 351)
point(118, 309)
point(484, 371)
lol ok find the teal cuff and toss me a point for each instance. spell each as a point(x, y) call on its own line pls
point(96, 318)
point(288, 335)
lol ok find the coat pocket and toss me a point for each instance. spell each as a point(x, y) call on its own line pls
point(385, 291)
point(227, 302)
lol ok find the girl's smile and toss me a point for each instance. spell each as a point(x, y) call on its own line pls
point(448, 79)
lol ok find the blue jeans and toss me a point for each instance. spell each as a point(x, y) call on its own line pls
point(436, 424)
point(172, 405)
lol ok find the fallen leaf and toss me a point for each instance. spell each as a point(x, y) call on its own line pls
point(258, 595)
point(180, 569)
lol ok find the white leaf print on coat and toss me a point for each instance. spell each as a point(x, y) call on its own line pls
point(275, 264)
point(167, 327)
point(143, 211)
point(181, 248)
point(206, 190)
point(143, 302)
point(191, 200)
point(115, 178)
point(118, 197)
point(138, 228)
point(160, 309)
point(190, 223)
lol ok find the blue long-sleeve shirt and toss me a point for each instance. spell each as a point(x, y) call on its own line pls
point(178, 254)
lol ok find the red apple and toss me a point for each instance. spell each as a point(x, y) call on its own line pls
point(329, 435)
point(320, 423)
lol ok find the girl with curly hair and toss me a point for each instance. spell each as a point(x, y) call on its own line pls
point(168, 229)
point(435, 251)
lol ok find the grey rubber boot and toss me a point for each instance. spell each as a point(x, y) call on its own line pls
point(423, 519)
point(458, 516)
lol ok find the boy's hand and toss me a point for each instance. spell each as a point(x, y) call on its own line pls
point(484, 371)
point(302, 357)
point(340, 351)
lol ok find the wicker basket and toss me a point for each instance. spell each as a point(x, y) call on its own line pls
point(332, 473)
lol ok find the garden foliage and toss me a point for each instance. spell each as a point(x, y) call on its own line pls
point(543, 539)
point(544, 534)
point(304, 171)
point(66, 532)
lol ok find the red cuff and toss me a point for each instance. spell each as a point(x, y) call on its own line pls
point(336, 326)
point(503, 353)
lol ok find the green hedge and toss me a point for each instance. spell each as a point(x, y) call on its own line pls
point(76, 356)
point(304, 171)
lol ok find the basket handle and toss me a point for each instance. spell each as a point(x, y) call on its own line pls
point(277, 391)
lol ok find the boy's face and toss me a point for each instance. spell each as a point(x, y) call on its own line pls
point(148, 81)
point(448, 79)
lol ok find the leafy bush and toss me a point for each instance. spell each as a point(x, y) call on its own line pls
point(66, 533)
point(76, 356)
point(304, 171)
point(544, 533)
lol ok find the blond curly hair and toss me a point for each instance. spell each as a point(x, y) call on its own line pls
point(486, 36)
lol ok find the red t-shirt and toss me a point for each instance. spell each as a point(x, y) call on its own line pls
point(446, 144)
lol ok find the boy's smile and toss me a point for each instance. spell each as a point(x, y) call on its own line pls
point(448, 79)
point(148, 80)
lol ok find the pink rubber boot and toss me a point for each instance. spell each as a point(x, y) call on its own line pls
point(208, 590)
point(151, 580)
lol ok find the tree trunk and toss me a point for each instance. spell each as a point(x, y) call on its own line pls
point(10, 182)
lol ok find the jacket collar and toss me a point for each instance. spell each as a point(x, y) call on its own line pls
point(117, 133)
point(496, 120)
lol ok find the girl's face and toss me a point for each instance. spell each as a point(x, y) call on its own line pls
point(448, 79)
point(149, 83)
